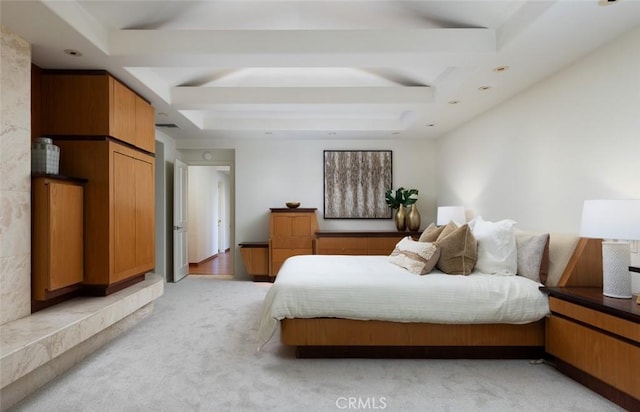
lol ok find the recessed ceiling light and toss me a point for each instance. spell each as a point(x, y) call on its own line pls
point(454, 101)
point(483, 88)
point(331, 133)
point(431, 124)
point(267, 132)
point(72, 52)
point(607, 2)
point(395, 133)
point(500, 69)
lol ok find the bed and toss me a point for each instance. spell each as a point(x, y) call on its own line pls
point(364, 306)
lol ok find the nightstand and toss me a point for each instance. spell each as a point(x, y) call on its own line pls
point(595, 340)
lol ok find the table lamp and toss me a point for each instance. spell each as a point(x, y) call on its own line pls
point(448, 213)
point(615, 222)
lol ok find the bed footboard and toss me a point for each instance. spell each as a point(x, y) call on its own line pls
point(329, 337)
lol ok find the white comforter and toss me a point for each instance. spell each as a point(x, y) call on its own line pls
point(371, 288)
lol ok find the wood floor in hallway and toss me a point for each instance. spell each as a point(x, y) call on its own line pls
point(219, 265)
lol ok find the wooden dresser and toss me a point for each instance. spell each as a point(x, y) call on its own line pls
point(291, 233)
point(596, 341)
point(358, 242)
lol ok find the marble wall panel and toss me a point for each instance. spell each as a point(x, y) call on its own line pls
point(15, 176)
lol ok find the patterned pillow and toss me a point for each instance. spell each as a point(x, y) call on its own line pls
point(458, 252)
point(417, 257)
point(497, 252)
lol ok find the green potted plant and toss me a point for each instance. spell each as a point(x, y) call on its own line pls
point(402, 199)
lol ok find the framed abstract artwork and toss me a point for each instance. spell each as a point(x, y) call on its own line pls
point(355, 182)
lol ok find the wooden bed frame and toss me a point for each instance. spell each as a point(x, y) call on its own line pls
point(331, 337)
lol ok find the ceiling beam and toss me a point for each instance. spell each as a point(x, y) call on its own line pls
point(201, 97)
point(298, 124)
point(184, 43)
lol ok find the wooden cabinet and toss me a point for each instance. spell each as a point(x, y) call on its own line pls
point(57, 240)
point(358, 243)
point(94, 103)
point(596, 341)
point(291, 233)
point(255, 256)
point(119, 210)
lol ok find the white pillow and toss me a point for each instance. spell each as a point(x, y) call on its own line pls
point(497, 250)
point(417, 257)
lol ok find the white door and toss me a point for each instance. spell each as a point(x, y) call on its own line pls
point(222, 246)
point(180, 259)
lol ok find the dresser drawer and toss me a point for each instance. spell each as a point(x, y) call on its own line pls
point(617, 326)
point(599, 354)
point(341, 246)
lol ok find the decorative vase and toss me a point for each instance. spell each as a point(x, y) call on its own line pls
point(401, 218)
point(45, 156)
point(413, 219)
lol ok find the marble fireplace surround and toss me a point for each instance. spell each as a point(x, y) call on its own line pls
point(39, 347)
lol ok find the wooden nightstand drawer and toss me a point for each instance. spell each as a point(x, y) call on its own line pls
point(609, 323)
point(605, 357)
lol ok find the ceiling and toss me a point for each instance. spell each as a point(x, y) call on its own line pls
point(318, 69)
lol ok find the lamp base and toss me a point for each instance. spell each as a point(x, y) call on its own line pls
point(616, 279)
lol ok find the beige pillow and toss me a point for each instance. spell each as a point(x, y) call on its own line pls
point(531, 250)
point(431, 233)
point(458, 250)
point(447, 229)
point(417, 257)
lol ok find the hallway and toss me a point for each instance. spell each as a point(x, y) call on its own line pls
point(219, 265)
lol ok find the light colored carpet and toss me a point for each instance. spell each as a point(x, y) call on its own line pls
point(197, 352)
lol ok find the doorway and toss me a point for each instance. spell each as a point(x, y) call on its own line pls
point(209, 251)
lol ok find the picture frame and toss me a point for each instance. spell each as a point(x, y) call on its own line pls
point(355, 182)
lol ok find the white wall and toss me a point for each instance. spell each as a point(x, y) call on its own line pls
point(225, 212)
point(269, 173)
point(166, 155)
point(537, 157)
point(203, 213)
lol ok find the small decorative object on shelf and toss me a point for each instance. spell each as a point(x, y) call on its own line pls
point(403, 198)
point(292, 205)
point(45, 156)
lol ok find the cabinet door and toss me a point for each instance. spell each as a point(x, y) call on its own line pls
point(292, 231)
point(122, 123)
point(66, 235)
point(75, 104)
point(145, 125)
point(124, 216)
point(145, 212)
point(256, 260)
point(57, 236)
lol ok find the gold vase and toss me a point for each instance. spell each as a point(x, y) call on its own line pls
point(413, 219)
point(401, 218)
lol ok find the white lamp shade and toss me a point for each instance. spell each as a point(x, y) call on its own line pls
point(448, 213)
point(611, 219)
